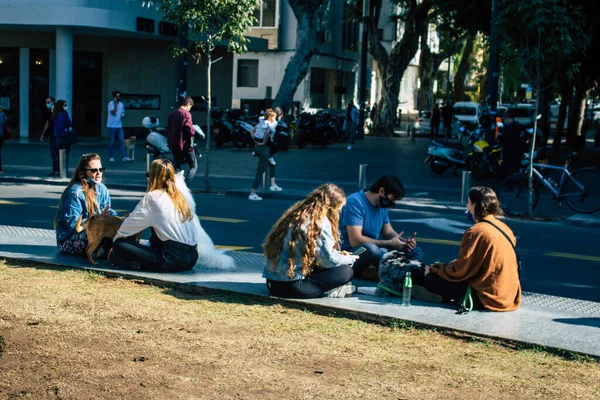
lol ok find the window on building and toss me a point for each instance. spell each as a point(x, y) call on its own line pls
point(318, 99)
point(266, 14)
point(349, 30)
point(247, 74)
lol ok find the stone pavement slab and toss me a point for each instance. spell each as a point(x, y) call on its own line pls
point(550, 321)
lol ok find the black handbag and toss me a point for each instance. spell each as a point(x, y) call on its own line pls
point(68, 138)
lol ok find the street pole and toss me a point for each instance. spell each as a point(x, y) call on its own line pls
point(494, 61)
point(448, 81)
point(363, 66)
point(182, 64)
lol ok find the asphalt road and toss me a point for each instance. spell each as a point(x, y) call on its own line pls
point(558, 260)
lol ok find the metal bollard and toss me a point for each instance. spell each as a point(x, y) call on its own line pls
point(466, 186)
point(62, 163)
point(363, 170)
point(148, 162)
point(265, 179)
point(414, 133)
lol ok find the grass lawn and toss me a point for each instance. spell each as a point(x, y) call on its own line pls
point(68, 334)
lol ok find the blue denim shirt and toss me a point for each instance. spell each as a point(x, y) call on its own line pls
point(73, 206)
point(326, 255)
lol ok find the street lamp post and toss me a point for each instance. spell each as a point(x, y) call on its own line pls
point(363, 65)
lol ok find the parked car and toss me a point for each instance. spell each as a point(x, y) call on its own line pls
point(523, 113)
point(423, 123)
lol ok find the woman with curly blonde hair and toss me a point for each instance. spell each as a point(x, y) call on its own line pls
point(302, 249)
point(174, 235)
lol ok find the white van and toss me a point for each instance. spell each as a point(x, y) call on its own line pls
point(467, 111)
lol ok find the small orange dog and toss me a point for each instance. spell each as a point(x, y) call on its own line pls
point(99, 226)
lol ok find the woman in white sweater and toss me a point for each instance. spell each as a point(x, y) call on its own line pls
point(174, 236)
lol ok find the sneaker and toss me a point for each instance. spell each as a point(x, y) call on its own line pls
point(254, 197)
point(275, 188)
point(349, 147)
point(272, 161)
point(341, 291)
point(111, 159)
point(127, 159)
point(420, 293)
point(253, 154)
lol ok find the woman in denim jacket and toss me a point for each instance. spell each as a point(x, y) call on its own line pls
point(85, 195)
point(302, 249)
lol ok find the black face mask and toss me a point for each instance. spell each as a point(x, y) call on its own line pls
point(384, 202)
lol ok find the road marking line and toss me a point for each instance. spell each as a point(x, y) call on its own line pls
point(232, 248)
point(438, 241)
point(576, 256)
point(217, 219)
point(11, 203)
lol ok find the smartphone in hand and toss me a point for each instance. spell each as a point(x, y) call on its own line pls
point(359, 251)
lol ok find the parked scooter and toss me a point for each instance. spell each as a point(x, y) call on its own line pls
point(443, 154)
point(222, 126)
point(156, 140)
point(316, 129)
point(241, 136)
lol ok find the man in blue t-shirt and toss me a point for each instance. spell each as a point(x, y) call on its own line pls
point(364, 222)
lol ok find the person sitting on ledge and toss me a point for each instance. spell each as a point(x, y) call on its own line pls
point(302, 249)
point(486, 262)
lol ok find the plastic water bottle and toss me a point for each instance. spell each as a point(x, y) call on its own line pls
point(407, 290)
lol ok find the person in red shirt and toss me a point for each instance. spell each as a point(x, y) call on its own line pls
point(180, 130)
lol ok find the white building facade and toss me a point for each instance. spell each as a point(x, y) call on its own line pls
point(333, 72)
point(82, 50)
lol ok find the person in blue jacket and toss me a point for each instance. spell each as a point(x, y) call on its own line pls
point(62, 124)
point(85, 195)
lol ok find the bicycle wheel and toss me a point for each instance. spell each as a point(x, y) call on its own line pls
point(513, 194)
point(585, 201)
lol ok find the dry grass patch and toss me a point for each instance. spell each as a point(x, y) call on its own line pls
point(78, 335)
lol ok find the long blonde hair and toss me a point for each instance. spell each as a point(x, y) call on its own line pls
point(80, 176)
point(162, 177)
point(325, 201)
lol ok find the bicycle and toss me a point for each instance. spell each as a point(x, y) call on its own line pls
point(580, 189)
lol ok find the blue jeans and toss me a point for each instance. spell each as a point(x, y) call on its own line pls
point(112, 132)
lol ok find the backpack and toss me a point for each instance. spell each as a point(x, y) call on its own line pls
point(392, 270)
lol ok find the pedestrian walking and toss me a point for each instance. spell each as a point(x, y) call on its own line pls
point(62, 127)
point(435, 121)
point(48, 131)
point(180, 130)
point(116, 113)
point(262, 136)
point(447, 114)
point(351, 121)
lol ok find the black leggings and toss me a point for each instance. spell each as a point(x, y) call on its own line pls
point(314, 285)
point(166, 256)
point(449, 290)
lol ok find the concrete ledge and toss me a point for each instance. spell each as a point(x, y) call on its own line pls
point(549, 321)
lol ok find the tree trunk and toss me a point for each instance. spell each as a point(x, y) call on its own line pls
point(463, 68)
point(298, 65)
point(425, 94)
point(402, 52)
point(576, 111)
point(208, 94)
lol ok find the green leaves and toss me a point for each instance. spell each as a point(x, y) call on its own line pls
point(211, 22)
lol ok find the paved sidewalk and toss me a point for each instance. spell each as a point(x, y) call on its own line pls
point(549, 321)
point(298, 172)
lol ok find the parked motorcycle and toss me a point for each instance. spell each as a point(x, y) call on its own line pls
point(241, 136)
point(222, 126)
point(316, 129)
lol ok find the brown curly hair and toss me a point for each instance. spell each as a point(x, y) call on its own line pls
point(325, 201)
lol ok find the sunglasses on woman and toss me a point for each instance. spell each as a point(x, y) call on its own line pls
point(95, 170)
